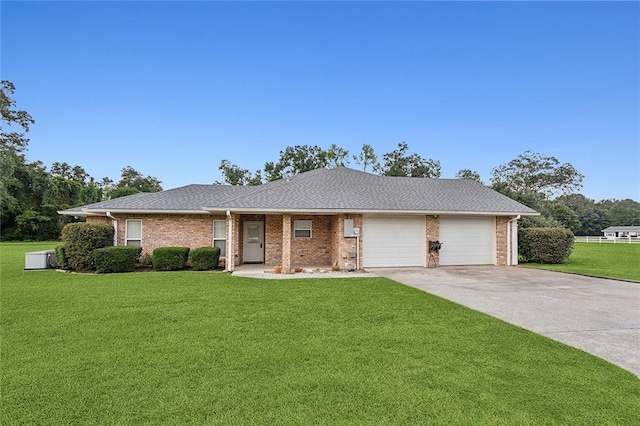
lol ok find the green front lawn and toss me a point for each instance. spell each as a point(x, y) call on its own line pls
point(601, 260)
point(207, 348)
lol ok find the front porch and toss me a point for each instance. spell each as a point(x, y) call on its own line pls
point(258, 242)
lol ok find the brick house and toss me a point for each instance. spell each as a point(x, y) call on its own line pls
point(324, 217)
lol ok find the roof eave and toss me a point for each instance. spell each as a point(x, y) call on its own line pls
point(357, 211)
point(100, 212)
point(77, 213)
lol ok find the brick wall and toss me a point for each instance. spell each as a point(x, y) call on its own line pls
point(501, 240)
point(99, 219)
point(273, 239)
point(342, 247)
point(163, 230)
point(315, 250)
point(433, 234)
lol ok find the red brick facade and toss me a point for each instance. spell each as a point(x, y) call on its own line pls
point(433, 234)
point(501, 240)
point(164, 230)
point(326, 246)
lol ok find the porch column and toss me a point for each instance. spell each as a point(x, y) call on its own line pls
point(286, 242)
point(229, 249)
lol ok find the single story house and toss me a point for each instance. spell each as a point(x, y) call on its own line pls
point(621, 232)
point(326, 217)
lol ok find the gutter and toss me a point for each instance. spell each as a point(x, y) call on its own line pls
point(115, 227)
point(321, 211)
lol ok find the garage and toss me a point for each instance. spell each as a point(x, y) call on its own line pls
point(467, 241)
point(390, 241)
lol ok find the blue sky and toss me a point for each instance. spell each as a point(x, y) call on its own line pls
point(172, 88)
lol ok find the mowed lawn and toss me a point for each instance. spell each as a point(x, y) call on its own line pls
point(209, 348)
point(601, 260)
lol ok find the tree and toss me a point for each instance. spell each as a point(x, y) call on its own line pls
point(367, 158)
point(399, 163)
point(234, 175)
point(336, 157)
point(12, 145)
point(625, 212)
point(565, 216)
point(533, 173)
point(469, 174)
point(17, 193)
point(297, 159)
point(132, 181)
point(593, 217)
point(12, 141)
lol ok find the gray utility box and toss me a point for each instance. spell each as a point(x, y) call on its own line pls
point(40, 260)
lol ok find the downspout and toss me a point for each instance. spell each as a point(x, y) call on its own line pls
point(230, 260)
point(509, 248)
point(115, 227)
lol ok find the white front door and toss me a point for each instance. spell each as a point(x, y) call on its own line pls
point(253, 242)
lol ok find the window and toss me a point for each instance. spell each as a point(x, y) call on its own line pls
point(133, 233)
point(219, 236)
point(302, 228)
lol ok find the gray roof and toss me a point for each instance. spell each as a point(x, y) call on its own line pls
point(622, 229)
point(340, 189)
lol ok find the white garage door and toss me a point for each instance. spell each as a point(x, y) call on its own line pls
point(393, 241)
point(467, 241)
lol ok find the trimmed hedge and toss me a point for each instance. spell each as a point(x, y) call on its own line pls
point(170, 258)
point(116, 259)
point(204, 258)
point(545, 245)
point(81, 239)
point(61, 257)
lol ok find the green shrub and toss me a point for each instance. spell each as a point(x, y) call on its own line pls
point(545, 245)
point(61, 256)
point(81, 239)
point(204, 258)
point(170, 258)
point(116, 259)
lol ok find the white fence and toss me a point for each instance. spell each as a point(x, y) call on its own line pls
point(610, 240)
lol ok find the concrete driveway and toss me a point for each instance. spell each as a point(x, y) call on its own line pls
point(599, 316)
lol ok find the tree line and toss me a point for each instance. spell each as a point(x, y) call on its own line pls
point(31, 195)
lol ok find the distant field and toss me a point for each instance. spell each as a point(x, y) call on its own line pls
point(601, 260)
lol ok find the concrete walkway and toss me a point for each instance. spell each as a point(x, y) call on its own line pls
point(265, 272)
point(599, 316)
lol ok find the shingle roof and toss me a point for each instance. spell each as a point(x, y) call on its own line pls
point(325, 190)
point(631, 228)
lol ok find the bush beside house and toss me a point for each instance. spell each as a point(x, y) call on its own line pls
point(204, 258)
point(79, 240)
point(545, 245)
point(170, 258)
point(116, 259)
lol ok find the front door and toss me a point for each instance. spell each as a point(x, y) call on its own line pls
point(253, 251)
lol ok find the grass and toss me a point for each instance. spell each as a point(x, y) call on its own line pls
point(209, 348)
point(601, 260)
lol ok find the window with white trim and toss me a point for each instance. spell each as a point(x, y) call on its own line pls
point(133, 232)
point(220, 236)
point(302, 228)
